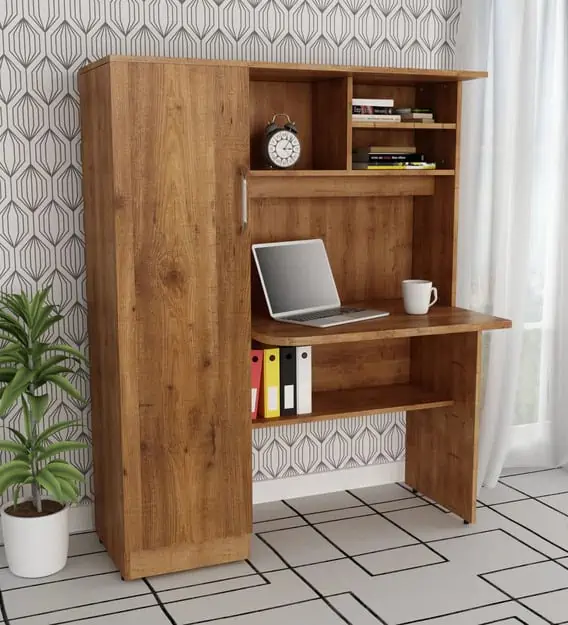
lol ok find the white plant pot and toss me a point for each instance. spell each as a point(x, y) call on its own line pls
point(36, 546)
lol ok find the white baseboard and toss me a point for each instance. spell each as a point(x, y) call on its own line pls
point(329, 482)
point(82, 518)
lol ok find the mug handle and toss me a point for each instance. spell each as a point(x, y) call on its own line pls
point(434, 292)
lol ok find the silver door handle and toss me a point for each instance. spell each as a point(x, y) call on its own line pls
point(244, 200)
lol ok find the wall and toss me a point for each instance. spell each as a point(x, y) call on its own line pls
point(43, 43)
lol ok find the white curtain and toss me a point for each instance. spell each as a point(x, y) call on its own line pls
point(513, 230)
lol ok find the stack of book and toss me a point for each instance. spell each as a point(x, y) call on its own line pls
point(390, 157)
point(374, 110)
point(417, 115)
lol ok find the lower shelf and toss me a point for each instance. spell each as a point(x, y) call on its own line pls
point(361, 401)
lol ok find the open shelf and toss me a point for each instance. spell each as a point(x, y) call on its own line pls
point(440, 320)
point(402, 126)
point(360, 401)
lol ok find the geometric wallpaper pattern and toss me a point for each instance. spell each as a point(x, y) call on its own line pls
point(43, 44)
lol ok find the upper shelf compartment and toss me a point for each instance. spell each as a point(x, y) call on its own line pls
point(402, 126)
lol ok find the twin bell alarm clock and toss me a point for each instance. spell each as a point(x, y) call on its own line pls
point(282, 147)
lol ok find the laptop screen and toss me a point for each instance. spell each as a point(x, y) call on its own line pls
point(296, 276)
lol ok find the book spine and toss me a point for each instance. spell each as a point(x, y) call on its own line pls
point(407, 111)
point(376, 118)
point(403, 158)
point(358, 109)
point(413, 116)
point(372, 102)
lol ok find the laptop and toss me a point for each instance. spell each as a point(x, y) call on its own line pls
point(299, 286)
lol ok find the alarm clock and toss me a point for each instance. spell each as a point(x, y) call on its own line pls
point(282, 147)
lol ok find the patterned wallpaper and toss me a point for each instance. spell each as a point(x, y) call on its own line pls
point(43, 43)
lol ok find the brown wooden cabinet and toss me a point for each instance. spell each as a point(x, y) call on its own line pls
point(173, 306)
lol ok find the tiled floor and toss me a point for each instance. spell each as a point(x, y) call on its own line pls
point(370, 556)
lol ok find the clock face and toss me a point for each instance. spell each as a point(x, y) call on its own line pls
point(283, 148)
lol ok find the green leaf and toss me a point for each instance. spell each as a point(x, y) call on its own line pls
point(59, 448)
point(64, 469)
point(15, 389)
point(7, 374)
point(17, 305)
point(67, 349)
point(44, 378)
point(14, 330)
point(13, 465)
point(38, 406)
point(19, 436)
point(53, 429)
point(45, 325)
point(50, 483)
point(68, 491)
point(64, 385)
point(13, 479)
point(27, 419)
point(37, 304)
point(13, 448)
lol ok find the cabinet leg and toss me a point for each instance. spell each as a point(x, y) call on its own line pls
point(441, 444)
point(465, 522)
point(415, 491)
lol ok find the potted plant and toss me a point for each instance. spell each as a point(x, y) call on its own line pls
point(35, 529)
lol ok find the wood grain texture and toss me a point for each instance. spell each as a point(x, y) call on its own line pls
point(359, 365)
point(356, 184)
point(441, 445)
point(330, 132)
point(172, 559)
point(368, 240)
point(440, 320)
point(183, 280)
point(102, 300)
point(280, 71)
point(330, 405)
point(292, 98)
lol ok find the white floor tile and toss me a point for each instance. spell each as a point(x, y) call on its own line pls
point(315, 612)
point(323, 503)
point(482, 553)
point(381, 494)
point(80, 566)
point(500, 494)
point(332, 578)
point(559, 502)
point(154, 615)
point(531, 580)
point(353, 610)
point(401, 504)
point(552, 606)
point(196, 577)
point(270, 511)
point(302, 545)
point(262, 557)
point(211, 589)
point(543, 521)
point(88, 612)
point(277, 524)
point(398, 559)
point(507, 613)
point(364, 534)
point(540, 483)
point(69, 594)
point(336, 515)
point(285, 587)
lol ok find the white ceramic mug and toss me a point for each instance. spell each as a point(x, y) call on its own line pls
point(419, 296)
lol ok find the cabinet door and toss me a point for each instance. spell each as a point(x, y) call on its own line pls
point(180, 139)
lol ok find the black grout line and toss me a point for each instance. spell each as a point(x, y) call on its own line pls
point(83, 605)
point(61, 581)
point(533, 498)
point(504, 620)
point(514, 599)
point(364, 605)
point(455, 612)
point(159, 602)
point(506, 477)
point(87, 618)
point(306, 582)
point(211, 582)
point(402, 529)
point(3, 609)
point(276, 607)
point(546, 540)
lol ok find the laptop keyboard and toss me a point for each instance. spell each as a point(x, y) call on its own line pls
point(324, 314)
